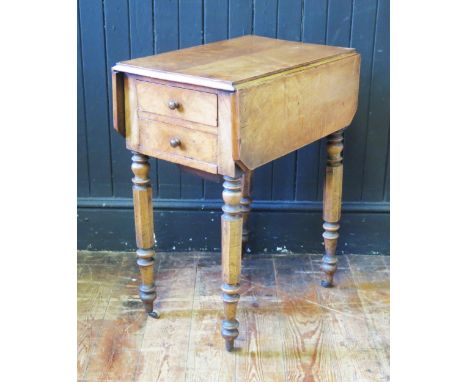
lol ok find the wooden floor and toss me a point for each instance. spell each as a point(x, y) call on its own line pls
point(291, 329)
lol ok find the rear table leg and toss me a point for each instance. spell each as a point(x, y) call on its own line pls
point(332, 205)
point(246, 202)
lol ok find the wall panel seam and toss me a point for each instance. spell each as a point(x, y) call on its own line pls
point(106, 65)
point(369, 101)
point(84, 103)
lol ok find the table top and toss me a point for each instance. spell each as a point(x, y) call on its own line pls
point(227, 63)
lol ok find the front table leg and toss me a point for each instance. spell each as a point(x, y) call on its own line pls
point(231, 247)
point(332, 205)
point(144, 229)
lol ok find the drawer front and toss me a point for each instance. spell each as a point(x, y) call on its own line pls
point(170, 101)
point(155, 138)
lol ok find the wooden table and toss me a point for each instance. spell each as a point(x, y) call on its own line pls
point(222, 110)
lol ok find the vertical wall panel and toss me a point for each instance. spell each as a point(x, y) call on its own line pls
point(284, 168)
point(339, 22)
point(387, 177)
point(166, 26)
point(216, 20)
point(190, 34)
point(82, 159)
point(240, 18)
point(265, 24)
point(190, 23)
point(315, 21)
point(140, 14)
point(141, 28)
point(95, 93)
point(116, 21)
point(216, 14)
point(362, 38)
point(113, 30)
point(265, 17)
point(379, 110)
point(308, 160)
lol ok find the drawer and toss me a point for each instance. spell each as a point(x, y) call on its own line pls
point(171, 101)
point(155, 139)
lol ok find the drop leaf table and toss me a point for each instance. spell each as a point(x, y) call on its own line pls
point(222, 110)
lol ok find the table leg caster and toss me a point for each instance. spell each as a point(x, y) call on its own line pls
point(329, 263)
point(154, 314)
point(229, 345)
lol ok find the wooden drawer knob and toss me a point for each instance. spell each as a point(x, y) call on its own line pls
point(173, 105)
point(174, 142)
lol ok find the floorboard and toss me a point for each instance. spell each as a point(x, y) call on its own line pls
point(291, 329)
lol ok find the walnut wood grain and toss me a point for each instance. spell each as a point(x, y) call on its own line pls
point(284, 95)
point(177, 102)
point(227, 133)
point(118, 102)
point(144, 229)
point(224, 109)
point(225, 64)
point(282, 114)
point(332, 205)
point(231, 248)
point(155, 138)
point(151, 133)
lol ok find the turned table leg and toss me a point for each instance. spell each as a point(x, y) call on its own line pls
point(246, 202)
point(144, 229)
point(231, 247)
point(332, 205)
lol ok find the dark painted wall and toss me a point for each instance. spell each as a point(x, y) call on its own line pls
point(114, 30)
